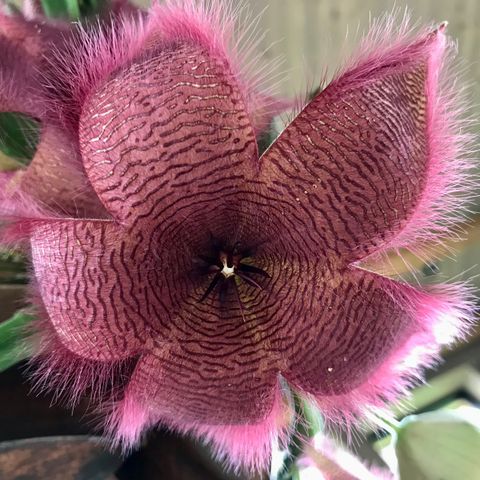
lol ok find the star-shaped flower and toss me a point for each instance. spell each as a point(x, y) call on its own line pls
point(185, 279)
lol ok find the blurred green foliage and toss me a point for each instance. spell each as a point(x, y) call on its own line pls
point(61, 8)
point(13, 334)
point(71, 9)
point(19, 136)
point(439, 445)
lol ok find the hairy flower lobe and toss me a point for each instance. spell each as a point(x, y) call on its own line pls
point(218, 274)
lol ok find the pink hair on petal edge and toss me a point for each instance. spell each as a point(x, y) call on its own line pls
point(96, 53)
point(250, 446)
point(18, 211)
point(239, 447)
point(440, 317)
point(89, 59)
point(54, 368)
point(211, 24)
point(450, 181)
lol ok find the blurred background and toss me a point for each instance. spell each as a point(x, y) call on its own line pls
point(313, 37)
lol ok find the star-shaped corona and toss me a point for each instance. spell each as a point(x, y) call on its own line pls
point(184, 280)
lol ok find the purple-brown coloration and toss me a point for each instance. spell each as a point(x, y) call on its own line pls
point(147, 187)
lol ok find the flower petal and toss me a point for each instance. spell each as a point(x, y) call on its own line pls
point(53, 185)
point(236, 409)
point(55, 369)
point(370, 338)
point(342, 326)
point(205, 384)
point(164, 135)
point(92, 282)
point(213, 25)
point(98, 53)
point(18, 91)
point(55, 178)
point(372, 161)
point(35, 36)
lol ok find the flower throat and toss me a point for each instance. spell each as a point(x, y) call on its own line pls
point(229, 264)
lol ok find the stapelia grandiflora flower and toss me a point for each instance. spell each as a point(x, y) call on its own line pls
point(183, 280)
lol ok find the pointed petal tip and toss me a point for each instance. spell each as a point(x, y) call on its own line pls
point(212, 25)
point(127, 422)
point(248, 447)
point(442, 28)
point(448, 188)
point(439, 317)
point(245, 447)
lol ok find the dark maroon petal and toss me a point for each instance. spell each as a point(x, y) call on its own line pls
point(92, 279)
point(370, 341)
point(357, 336)
point(36, 36)
point(167, 137)
point(19, 91)
point(241, 413)
point(55, 177)
point(353, 166)
point(341, 327)
point(204, 383)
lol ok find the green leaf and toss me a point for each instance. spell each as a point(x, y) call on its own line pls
point(13, 335)
point(19, 136)
point(439, 445)
point(313, 417)
point(90, 7)
point(61, 8)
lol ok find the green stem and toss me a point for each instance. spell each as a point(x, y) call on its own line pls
point(308, 424)
point(389, 424)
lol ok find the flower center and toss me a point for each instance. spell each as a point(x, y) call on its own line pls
point(227, 271)
point(226, 265)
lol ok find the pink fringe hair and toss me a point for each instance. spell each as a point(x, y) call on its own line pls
point(441, 316)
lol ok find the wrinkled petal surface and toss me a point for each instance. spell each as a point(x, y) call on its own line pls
point(167, 128)
point(36, 36)
point(18, 91)
point(55, 177)
point(341, 328)
point(199, 384)
point(353, 166)
point(241, 414)
point(164, 136)
point(91, 279)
